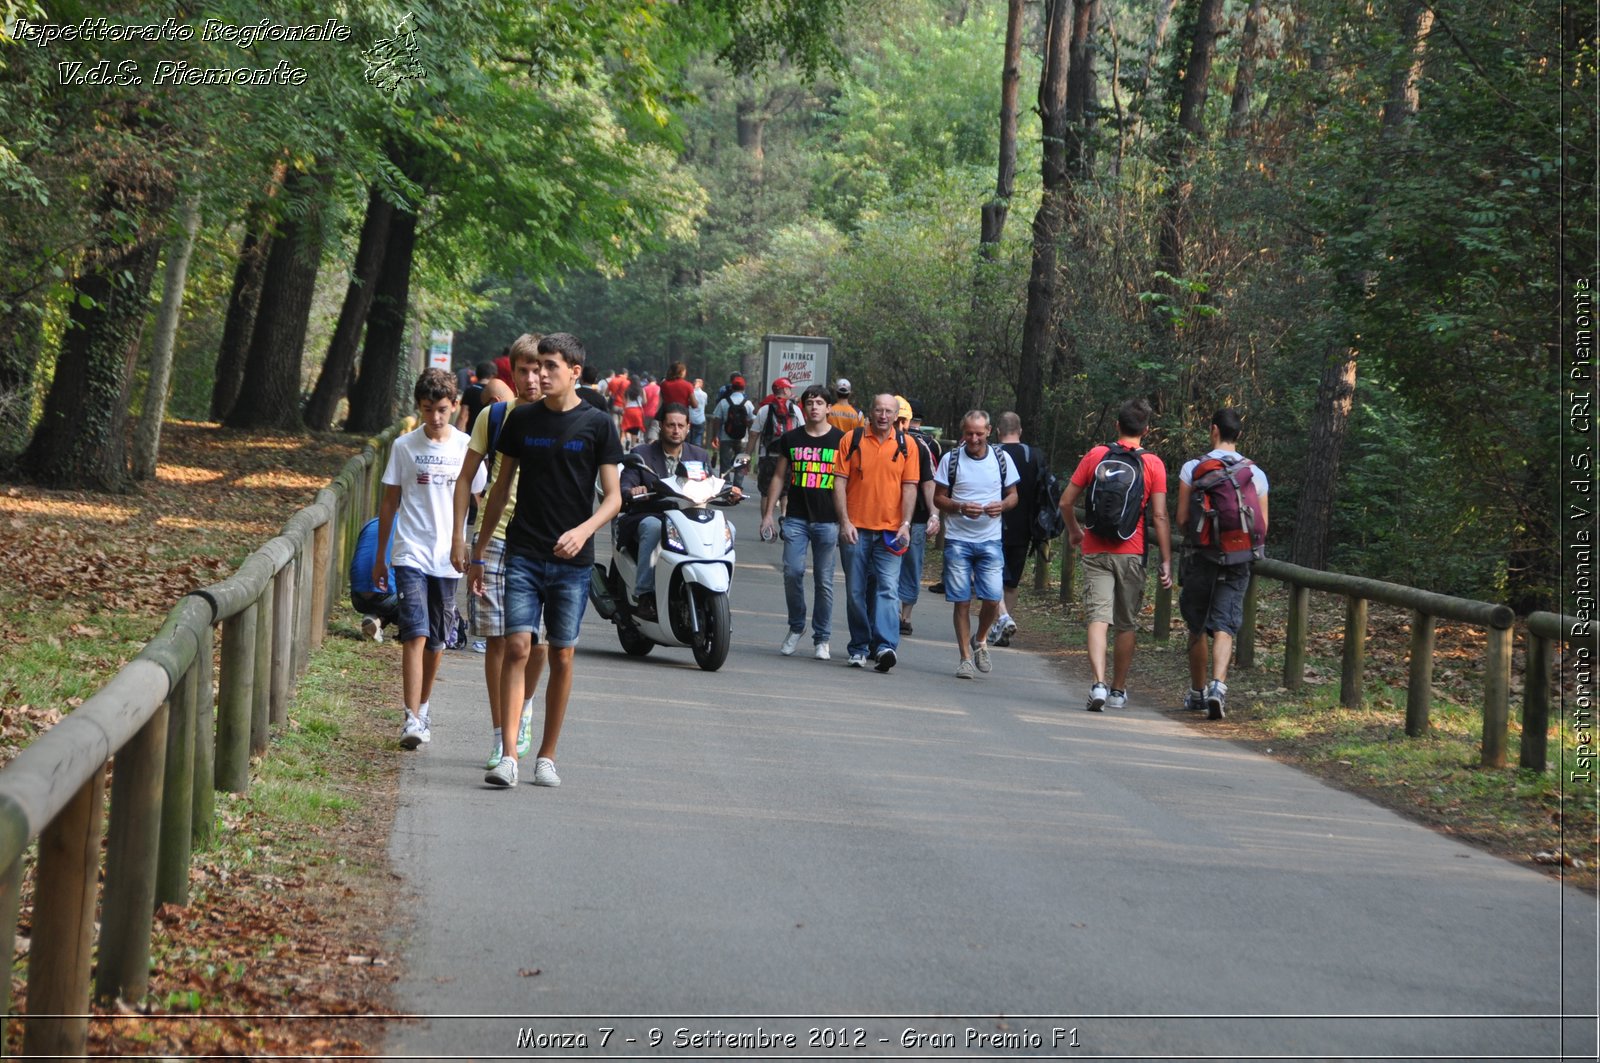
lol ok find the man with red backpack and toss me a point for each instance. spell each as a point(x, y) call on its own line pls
point(776, 415)
point(1222, 507)
point(1117, 482)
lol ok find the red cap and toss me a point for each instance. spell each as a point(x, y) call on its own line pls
point(782, 382)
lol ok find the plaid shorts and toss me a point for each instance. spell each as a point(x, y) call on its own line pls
point(490, 622)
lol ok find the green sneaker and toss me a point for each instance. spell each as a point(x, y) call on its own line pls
point(495, 753)
point(525, 734)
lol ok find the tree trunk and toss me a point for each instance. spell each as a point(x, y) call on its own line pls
point(21, 335)
point(1244, 78)
point(994, 211)
point(1336, 394)
point(372, 397)
point(1080, 92)
point(147, 440)
point(269, 396)
point(248, 274)
point(1158, 38)
point(1335, 398)
point(1038, 325)
point(81, 439)
point(339, 367)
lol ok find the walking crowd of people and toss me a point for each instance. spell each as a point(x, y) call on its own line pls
point(505, 482)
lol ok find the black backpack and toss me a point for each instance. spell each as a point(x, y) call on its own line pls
point(1045, 522)
point(1114, 505)
point(955, 463)
point(899, 438)
point(737, 423)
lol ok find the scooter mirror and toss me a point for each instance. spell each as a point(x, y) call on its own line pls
point(632, 460)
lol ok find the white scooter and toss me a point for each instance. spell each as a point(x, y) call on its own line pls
point(693, 567)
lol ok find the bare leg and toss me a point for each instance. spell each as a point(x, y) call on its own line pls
point(411, 653)
point(513, 671)
point(430, 668)
point(493, 657)
point(1096, 635)
point(1122, 660)
point(963, 622)
point(1010, 594)
point(535, 669)
point(1197, 660)
point(555, 699)
point(1221, 654)
point(988, 613)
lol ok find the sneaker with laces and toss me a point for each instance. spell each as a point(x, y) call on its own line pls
point(791, 642)
point(822, 653)
point(427, 729)
point(502, 774)
point(857, 660)
point(964, 670)
point(1194, 701)
point(544, 772)
point(496, 751)
point(1216, 700)
point(1116, 699)
point(886, 660)
point(371, 628)
point(525, 734)
point(1097, 697)
point(980, 656)
point(1008, 627)
point(480, 646)
point(411, 733)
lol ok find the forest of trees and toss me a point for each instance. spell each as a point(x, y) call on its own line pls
point(1354, 221)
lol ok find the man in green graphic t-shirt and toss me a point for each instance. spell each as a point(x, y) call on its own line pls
point(805, 457)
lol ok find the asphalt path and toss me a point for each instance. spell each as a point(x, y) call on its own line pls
point(791, 858)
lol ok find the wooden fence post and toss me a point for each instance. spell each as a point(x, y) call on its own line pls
point(177, 797)
point(133, 846)
point(282, 643)
point(234, 701)
point(1294, 646)
point(63, 926)
point(1067, 561)
point(10, 905)
point(1536, 703)
point(1041, 566)
point(303, 610)
point(1355, 652)
point(261, 682)
point(1419, 695)
point(1496, 697)
point(1163, 620)
point(1244, 647)
point(204, 807)
point(321, 561)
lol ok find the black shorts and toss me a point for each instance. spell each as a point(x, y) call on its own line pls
point(1015, 556)
point(1212, 598)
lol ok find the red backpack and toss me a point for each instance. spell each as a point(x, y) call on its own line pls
point(1224, 518)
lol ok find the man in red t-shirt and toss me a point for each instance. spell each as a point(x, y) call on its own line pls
point(1113, 560)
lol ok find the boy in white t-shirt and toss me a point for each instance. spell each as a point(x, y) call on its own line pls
point(418, 503)
point(973, 485)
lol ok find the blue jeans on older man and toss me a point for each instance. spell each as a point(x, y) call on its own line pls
point(822, 537)
point(874, 624)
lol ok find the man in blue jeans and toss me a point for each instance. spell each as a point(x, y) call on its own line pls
point(805, 455)
point(874, 484)
point(975, 484)
point(558, 447)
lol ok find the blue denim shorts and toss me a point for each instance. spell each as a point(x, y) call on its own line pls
point(973, 570)
point(427, 605)
point(554, 590)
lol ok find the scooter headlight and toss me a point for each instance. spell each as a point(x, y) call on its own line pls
point(727, 537)
point(674, 538)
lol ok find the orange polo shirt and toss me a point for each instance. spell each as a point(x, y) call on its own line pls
point(876, 473)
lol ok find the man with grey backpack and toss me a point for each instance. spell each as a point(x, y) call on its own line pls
point(1222, 507)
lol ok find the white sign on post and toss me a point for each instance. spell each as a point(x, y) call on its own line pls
point(803, 359)
point(439, 344)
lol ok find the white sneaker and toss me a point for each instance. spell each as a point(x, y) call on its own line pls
point(525, 734)
point(964, 669)
point(857, 660)
point(502, 774)
point(790, 642)
point(371, 628)
point(1116, 699)
point(1098, 693)
point(411, 734)
point(544, 772)
point(822, 653)
point(1217, 700)
point(496, 751)
point(980, 656)
point(480, 646)
point(427, 729)
point(1008, 626)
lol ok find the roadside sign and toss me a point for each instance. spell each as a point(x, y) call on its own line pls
point(803, 359)
point(439, 344)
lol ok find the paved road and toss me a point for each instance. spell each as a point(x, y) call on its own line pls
point(913, 865)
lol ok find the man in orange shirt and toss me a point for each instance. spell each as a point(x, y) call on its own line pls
point(874, 483)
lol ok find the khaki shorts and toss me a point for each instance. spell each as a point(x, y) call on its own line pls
point(1113, 589)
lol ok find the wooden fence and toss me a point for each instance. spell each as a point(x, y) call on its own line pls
point(172, 747)
point(1544, 630)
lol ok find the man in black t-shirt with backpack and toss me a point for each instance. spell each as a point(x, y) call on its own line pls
point(803, 463)
point(1016, 524)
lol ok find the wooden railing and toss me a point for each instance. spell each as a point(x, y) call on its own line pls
point(1544, 629)
point(154, 722)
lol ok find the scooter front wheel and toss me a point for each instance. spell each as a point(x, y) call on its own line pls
point(716, 629)
point(634, 644)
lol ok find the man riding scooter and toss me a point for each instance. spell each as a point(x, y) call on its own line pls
point(663, 457)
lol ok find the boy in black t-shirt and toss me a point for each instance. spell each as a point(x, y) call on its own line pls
point(804, 459)
point(559, 445)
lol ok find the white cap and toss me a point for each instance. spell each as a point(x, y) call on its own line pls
point(842, 386)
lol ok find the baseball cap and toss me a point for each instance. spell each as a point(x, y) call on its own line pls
point(905, 409)
point(737, 381)
point(782, 382)
point(842, 386)
point(891, 542)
